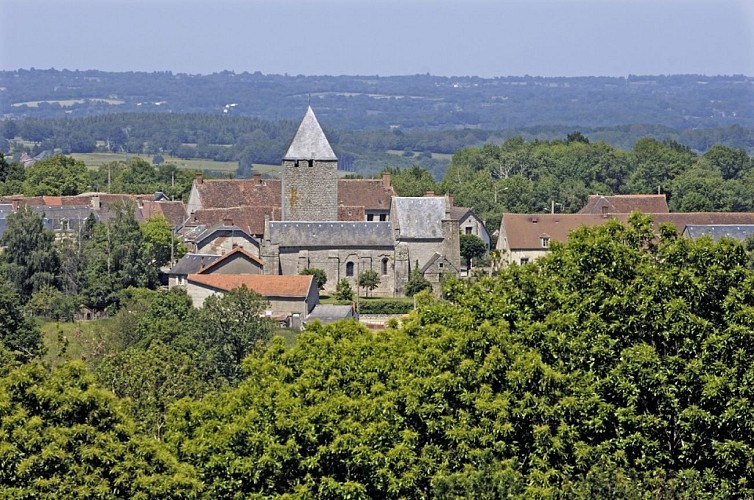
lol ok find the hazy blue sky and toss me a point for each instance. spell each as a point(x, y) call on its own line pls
point(384, 37)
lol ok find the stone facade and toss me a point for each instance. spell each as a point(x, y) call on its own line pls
point(310, 190)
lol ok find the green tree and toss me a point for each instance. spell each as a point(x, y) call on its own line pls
point(472, 246)
point(160, 244)
point(56, 176)
point(343, 290)
point(11, 176)
point(18, 334)
point(30, 260)
point(231, 327)
point(116, 259)
point(320, 276)
point(63, 436)
point(413, 181)
point(416, 283)
point(369, 279)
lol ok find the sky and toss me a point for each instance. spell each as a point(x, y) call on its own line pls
point(382, 37)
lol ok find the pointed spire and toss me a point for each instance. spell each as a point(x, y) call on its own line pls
point(310, 142)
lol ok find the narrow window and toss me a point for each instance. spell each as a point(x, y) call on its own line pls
point(383, 217)
point(545, 241)
point(349, 269)
point(311, 163)
point(370, 217)
point(384, 266)
point(468, 230)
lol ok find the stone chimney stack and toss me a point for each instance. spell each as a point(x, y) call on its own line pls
point(199, 178)
point(386, 178)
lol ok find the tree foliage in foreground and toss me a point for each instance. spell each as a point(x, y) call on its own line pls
point(63, 437)
point(618, 366)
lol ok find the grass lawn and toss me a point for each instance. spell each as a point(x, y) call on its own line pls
point(81, 340)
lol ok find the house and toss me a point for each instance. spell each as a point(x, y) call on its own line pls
point(739, 232)
point(237, 261)
point(289, 296)
point(526, 237)
point(470, 223)
point(625, 204)
point(191, 263)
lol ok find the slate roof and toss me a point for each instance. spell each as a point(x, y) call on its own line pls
point(459, 213)
point(250, 219)
point(228, 256)
point(218, 231)
point(331, 234)
point(716, 231)
point(274, 285)
point(191, 263)
point(419, 217)
point(328, 313)
point(626, 203)
point(310, 142)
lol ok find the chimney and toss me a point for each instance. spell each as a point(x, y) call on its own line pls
point(257, 179)
point(199, 178)
point(386, 180)
point(451, 201)
point(96, 205)
point(429, 194)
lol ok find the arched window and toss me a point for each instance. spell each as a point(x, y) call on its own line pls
point(349, 269)
point(384, 266)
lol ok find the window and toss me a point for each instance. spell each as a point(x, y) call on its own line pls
point(370, 217)
point(349, 269)
point(604, 209)
point(311, 163)
point(545, 241)
point(383, 217)
point(468, 230)
point(524, 260)
point(384, 266)
point(295, 164)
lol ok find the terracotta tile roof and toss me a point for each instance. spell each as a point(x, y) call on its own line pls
point(351, 214)
point(625, 204)
point(226, 193)
point(248, 218)
point(173, 211)
point(524, 231)
point(228, 256)
point(292, 286)
point(368, 193)
point(53, 201)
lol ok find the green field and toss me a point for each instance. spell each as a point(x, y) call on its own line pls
point(96, 160)
point(414, 154)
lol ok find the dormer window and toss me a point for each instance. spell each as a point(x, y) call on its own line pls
point(545, 240)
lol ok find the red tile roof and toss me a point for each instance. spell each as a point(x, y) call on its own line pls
point(226, 193)
point(626, 203)
point(368, 193)
point(524, 231)
point(292, 286)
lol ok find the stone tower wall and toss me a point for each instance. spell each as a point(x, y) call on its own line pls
point(310, 193)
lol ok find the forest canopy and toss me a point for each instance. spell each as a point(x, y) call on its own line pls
point(620, 365)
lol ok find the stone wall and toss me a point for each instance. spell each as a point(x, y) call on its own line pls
point(310, 190)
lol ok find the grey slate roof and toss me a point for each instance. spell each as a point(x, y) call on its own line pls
point(310, 142)
point(191, 263)
point(419, 218)
point(331, 234)
point(716, 231)
point(328, 313)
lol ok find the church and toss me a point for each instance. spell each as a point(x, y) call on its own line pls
point(310, 218)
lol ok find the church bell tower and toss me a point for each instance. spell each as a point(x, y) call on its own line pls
point(310, 175)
